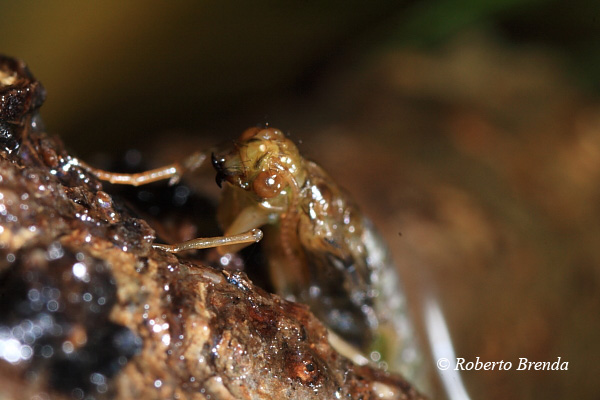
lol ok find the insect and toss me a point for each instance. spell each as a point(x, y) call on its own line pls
point(321, 250)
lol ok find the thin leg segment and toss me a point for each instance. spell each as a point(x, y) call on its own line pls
point(173, 172)
point(251, 218)
point(251, 236)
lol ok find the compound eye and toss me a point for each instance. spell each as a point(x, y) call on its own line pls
point(267, 184)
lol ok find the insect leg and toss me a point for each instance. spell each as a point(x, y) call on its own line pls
point(251, 236)
point(250, 217)
point(172, 172)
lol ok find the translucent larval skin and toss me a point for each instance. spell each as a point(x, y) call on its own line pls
point(321, 250)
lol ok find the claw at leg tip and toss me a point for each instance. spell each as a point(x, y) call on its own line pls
point(258, 234)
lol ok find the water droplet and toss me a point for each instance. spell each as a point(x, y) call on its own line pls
point(52, 306)
point(375, 356)
point(77, 393)
point(67, 347)
point(47, 351)
point(97, 378)
point(33, 295)
point(10, 350)
point(80, 271)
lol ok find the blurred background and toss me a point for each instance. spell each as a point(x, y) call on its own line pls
point(469, 131)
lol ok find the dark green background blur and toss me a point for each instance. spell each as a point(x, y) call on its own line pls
point(141, 68)
point(485, 151)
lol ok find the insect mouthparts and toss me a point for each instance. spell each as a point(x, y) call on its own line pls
point(218, 162)
point(220, 178)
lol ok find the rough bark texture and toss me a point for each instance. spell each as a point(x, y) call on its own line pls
point(89, 310)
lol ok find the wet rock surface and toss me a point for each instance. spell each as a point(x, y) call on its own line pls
point(89, 310)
